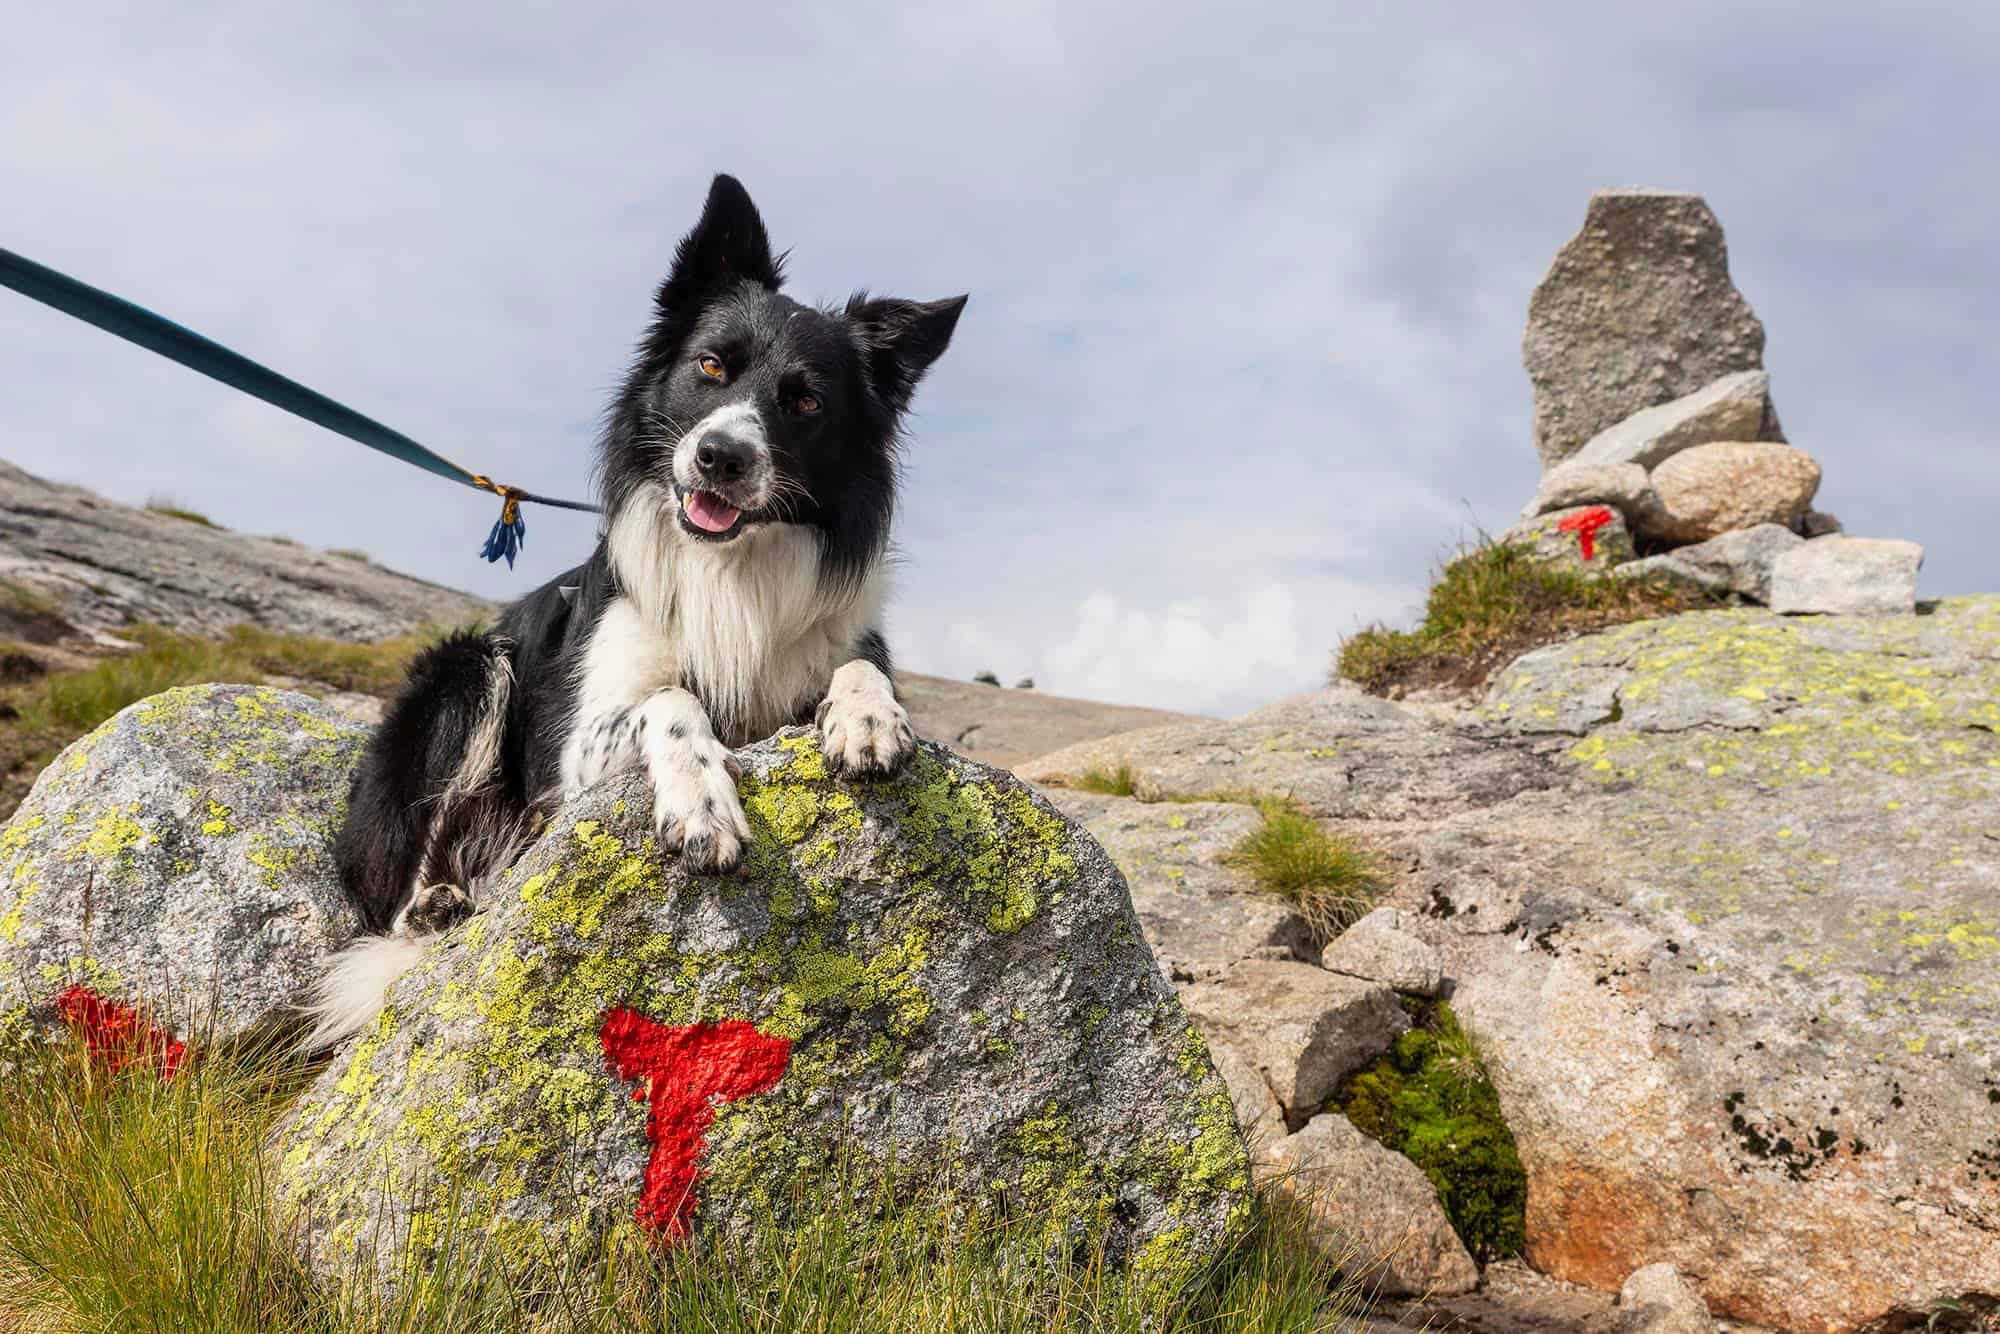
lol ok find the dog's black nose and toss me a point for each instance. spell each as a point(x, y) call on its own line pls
point(722, 457)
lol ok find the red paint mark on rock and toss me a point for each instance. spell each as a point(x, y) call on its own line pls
point(1585, 524)
point(118, 1034)
point(689, 1071)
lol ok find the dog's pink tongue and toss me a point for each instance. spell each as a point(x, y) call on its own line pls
point(710, 512)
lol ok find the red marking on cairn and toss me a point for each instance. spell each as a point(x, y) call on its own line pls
point(1585, 526)
point(118, 1034)
point(688, 1071)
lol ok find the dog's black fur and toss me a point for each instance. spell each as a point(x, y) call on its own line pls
point(740, 402)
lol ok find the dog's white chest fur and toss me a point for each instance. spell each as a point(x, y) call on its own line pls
point(750, 626)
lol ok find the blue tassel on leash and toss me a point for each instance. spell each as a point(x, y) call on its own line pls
point(509, 535)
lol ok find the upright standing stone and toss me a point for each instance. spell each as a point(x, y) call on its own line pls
point(1636, 310)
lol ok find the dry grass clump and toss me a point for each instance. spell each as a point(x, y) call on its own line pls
point(1492, 604)
point(1117, 782)
point(49, 700)
point(173, 509)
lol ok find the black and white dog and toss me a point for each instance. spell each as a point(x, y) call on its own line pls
point(748, 474)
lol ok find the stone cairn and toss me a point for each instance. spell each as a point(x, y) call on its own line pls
point(1661, 450)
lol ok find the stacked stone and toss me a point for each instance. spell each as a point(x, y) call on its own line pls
point(1658, 438)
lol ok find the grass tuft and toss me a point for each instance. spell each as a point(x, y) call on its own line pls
point(1108, 782)
point(1429, 1099)
point(173, 509)
point(1490, 605)
point(40, 717)
point(79, 701)
point(348, 553)
point(134, 1204)
point(1332, 880)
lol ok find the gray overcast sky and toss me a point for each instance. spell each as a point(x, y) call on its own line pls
point(1243, 353)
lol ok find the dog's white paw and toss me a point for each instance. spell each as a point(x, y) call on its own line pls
point(695, 806)
point(863, 731)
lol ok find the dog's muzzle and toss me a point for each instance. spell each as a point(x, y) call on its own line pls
point(722, 475)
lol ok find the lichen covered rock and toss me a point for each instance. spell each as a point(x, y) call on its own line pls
point(1748, 1015)
point(179, 857)
point(937, 972)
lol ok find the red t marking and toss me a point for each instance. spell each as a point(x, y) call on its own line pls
point(1585, 526)
point(688, 1071)
point(118, 1034)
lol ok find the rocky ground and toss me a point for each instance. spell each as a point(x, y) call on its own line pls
point(1718, 897)
point(105, 566)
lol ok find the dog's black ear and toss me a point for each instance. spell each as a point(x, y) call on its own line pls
point(728, 243)
point(902, 339)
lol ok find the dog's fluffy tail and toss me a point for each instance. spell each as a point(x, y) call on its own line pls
point(355, 986)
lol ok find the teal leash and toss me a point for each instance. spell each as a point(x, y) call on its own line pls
point(156, 333)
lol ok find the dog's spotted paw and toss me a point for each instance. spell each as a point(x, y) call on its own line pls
point(695, 806)
point(863, 731)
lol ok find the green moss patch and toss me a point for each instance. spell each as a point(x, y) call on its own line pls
point(1429, 1099)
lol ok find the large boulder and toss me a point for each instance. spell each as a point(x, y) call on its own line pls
point(178, 858)
point(1718, 488)
point(1637, 309)
point(938, 970)
point(1749, 1032)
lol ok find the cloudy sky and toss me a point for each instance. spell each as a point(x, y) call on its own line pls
point(1243, 354)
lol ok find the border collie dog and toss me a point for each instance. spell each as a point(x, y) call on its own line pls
point(748, 475)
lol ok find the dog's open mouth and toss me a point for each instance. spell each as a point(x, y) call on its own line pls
point(709, 515)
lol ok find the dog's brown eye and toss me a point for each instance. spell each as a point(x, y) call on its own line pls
point(806, 404)
point(711, 367)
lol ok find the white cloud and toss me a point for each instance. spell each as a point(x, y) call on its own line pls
point(1199, 655)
